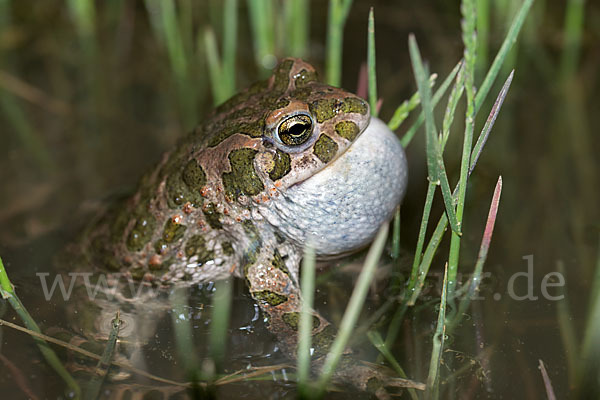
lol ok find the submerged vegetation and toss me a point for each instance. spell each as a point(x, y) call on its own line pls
point(98, 70)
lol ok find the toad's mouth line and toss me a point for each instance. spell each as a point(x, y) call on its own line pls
point(332, 164)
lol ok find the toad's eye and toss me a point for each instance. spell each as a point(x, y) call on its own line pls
point(295, 130)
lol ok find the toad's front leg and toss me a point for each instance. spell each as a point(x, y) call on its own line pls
point(273, 283)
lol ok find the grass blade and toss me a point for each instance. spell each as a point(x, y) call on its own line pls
point(453, 98)
point(475, 280)
point(410, 133)
point(507, 44)
point(377, 341)
point(371, 64)
point(220, 322)
point(338, 12)
point(396, 235)
point(262, 22)
point(230, 24)
point(305, 326)
point(407, 106)
point(470, 43)
point(438, 344)
point(489, 123)
point(297, 17)
point(414, 291)
point(215, 69)
point(354, 307)
point(7, 292)
point(95, 385)
point(183, 336)
point(435, 163)
point(547, 382)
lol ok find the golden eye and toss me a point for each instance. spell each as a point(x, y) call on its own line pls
point(295, 130)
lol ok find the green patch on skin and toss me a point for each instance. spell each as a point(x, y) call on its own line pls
point(325, 148)
point(303, 77)
point(322, 341)
point(137, 273)
point(251, 230)
point(277, 262)
point(292, 319)
point(173, 231)
point(141, 233)
point(227, 248)
point(301, 94)
point(271, 298)
point(347, 129)
point(160, 246)
point(212, 216)
point(282, 103)
point(242, 97)
point(119, 222)
point(252, 129)
point(179, 193)
point(243, 179)
point(324, 109)
point(281, 165)
point(355, 105)
point(196, 246)
point(102, 253)
point(281, 75)
point(193, 175)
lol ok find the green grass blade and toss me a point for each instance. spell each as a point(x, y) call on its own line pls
point(507, 44)
point(414, 288)
point(567, 331)
point(453, 99)
point(489, 123)
point(410, 133)
point(404, 109)
point(470, 43)
point(438, 344)
point(338, 12)
point(595, 292)
point(230, 24)
point(591, 339)
point(421, 237)
point(183, 337)
point(297, 17)
point(220, 322)
point(354, 307)
point(483, 30)
point(371, 64)
point(377, 341)
point(262, 22)
point(435, 163)
point(573, 30)
point(166, 27)
point(427, 258)
point(396, 235)
point(215, 70)
point(95, 385)
point(7, 292)
point(305, 326)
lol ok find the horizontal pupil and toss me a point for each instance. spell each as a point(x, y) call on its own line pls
point(297, 129)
